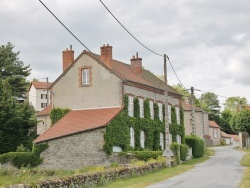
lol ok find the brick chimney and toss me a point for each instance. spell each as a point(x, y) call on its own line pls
point(68, 57)
point(136, 64)
point(106, 55)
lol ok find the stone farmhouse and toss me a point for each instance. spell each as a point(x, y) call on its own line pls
point(215, 132)
point(201, 122)
point(94, 87)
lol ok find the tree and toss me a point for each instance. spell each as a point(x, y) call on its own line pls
point(241, 121)
point(233, 104)
point(225, 119)
point(13, 70)
point(210, 103)
point(16, 121)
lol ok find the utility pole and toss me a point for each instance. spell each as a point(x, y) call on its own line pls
point(47, 85)
point(168, 161)
point(193, 111)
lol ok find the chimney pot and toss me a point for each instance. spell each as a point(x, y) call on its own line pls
point(136, 64)
point(106, 55)
point(68, 58)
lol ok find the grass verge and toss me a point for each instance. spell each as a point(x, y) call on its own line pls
point(151, 178)
point(245, 183)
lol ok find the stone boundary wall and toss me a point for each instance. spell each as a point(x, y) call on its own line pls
point(97, 178)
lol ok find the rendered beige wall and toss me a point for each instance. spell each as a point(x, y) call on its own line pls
point(217, 141)
point(105, 90)
point(43, 124)
point(148, 94)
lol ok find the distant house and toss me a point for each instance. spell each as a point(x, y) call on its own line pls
point(230, 138)
point(94, 87)
point(201, 122)
point(215, 132)
point(38, 95)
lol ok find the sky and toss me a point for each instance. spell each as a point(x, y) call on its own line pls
point(207, 41)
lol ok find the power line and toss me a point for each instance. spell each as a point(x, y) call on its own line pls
point(129, 32)
point(64, 25)
point(213, 93)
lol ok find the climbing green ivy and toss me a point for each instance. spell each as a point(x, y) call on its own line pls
point(118, 130)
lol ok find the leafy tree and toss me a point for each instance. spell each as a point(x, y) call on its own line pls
point(226, 116)
point(233, 104)
point(241, 121)
point(209, 102)
point(13, 70)
point(16, 121)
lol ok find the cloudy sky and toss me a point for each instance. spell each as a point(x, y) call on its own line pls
point(207, 41)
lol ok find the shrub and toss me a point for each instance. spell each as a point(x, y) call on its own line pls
point(183, 151)
point(57, 113)
point(197, 145)
point(175, 148)
point(24, 159)
point(143, 155)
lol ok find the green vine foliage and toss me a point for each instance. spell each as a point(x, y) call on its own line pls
point(57, 113)
point(118, 130)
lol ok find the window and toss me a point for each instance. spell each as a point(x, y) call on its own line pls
point(85, 76)
point(151, 106)
point(178, 139)
point(141, 108)
point(177, 112)
point(132, 137)
point(162, 141)
point(142, 139)
point(43, 96)
point(160, 111)
point(215, 133)
point(43, 105)
point(130, 106)
point(169, 114)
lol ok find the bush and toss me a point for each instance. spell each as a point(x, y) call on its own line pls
point(197, 145)
point(175, 148)
point(143, 155)
point(184, 151)
point(24, 159)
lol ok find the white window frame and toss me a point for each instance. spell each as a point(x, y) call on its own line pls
point(131, 106)
point(151, 107)
point(162, 141)
point(142, 139)
point(132, 137)
point(141, 104)
point(85, 76)
point(169, 114)
point(177, 112)
point(160, 111)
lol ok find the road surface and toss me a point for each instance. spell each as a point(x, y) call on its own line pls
point(221, 170)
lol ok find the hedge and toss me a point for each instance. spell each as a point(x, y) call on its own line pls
point(197, 145)
point(183, 151)
point(24, 159)
point(143, 155)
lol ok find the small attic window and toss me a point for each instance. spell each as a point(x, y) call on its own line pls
point(85, 76)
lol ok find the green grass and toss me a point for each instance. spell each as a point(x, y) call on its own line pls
point(151, 178)
point(245, 183)
point(32, 176)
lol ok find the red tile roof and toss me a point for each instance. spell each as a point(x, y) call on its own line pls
point(40, 85)
point(213, 124)
point(45, 111)
point(234, 136)
point(188, 106)
point(79, 121)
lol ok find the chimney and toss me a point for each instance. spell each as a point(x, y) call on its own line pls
point(106, 55)
point(68, 57)
point(136, 64)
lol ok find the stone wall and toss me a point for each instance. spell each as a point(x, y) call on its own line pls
point(75, 151)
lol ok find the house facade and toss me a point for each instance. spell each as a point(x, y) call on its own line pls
point(201, 128)
point(94, 87)
point(38, 95)
point(215, 132)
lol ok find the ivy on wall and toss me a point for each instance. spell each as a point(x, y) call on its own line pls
point(58, 113)
point(118, 130)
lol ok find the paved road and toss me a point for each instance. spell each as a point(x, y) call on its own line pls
point(221, 170)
